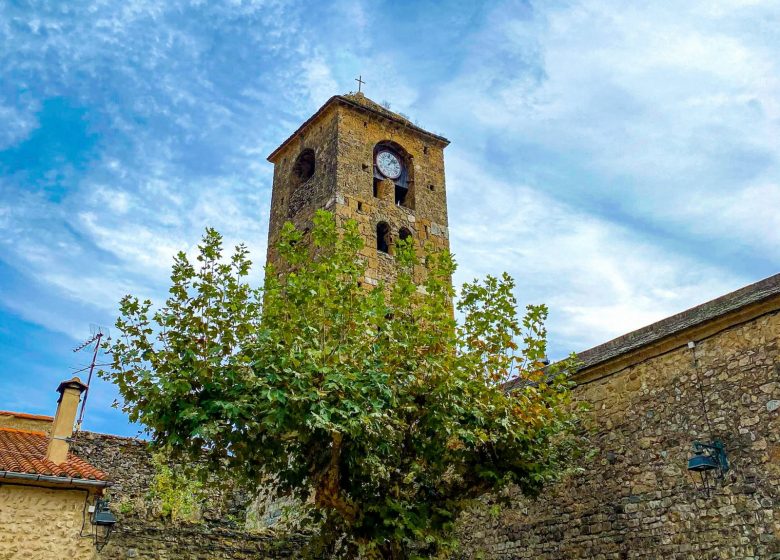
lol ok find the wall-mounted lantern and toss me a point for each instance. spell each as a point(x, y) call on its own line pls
point(103, 522)
point(708, 464)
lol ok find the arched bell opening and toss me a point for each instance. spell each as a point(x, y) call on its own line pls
point(304, 166)
point(383, 237)
point(393, 162)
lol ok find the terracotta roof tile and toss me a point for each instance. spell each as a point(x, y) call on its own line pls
point(25, 415)
point(24, 451)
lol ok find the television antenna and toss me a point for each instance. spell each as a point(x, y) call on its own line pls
point(97, 333)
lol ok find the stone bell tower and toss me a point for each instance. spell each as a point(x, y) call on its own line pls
point(361, 161)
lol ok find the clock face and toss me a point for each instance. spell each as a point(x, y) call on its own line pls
point(389, 164)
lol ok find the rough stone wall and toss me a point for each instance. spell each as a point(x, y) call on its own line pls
point(426, 218)
point(343, 138)
point(635, 498)
point(142, 533)
point(26, 422)
point(127, 461)
point(296, 201)
point(42, 524)
point(142, 540)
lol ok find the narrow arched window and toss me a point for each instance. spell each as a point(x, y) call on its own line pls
point(404, 234)
point(303, 168)
point(383, 237)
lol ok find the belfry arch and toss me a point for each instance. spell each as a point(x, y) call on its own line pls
point(404, 182)
point(383, 240)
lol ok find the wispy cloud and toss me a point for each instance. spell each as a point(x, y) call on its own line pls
point(645, 116)
point(599, 278)
point(620, 161)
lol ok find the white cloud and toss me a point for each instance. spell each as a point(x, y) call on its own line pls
point(618, 161)
point(119, 202)
point(181, 147)
point(585, 136)
point(17, 124)
point(599, 279)
point(319, 80)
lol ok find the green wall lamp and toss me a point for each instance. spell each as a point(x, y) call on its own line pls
point(708, 464)
point(103, 522)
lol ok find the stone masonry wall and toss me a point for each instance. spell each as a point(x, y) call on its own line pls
point(42, 524)
point(26, 422)
point(142, 533)
point(426, 219)
point(343, 137)
point(635, 498)
point(292, 200)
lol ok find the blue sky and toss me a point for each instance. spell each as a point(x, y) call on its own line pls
point(620, 159)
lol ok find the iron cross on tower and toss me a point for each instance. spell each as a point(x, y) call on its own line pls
point(360, 82)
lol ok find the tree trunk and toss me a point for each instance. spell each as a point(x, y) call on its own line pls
point(328, 489)
point(394, 550)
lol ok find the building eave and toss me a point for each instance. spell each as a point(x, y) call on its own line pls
point(46, 480)
point(692, 325)
point(26, 416)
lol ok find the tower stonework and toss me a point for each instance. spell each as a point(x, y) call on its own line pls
point(361, 161)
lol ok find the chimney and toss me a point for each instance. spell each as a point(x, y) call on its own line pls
point(62, 428)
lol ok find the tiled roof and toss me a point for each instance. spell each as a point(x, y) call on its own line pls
point(24, 451)
point(733, 301)
point(26, 416)
point(761, 291)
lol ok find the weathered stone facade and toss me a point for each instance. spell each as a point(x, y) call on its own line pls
point(635, 498)
point(43, 523)
point(141, 532)
point(343, 136)
point(20, 421)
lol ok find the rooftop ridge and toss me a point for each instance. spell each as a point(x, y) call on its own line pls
point(363, 103)
point(756, 293)
point(26, 415)
point(362, 100)
point(102, 435)
point(21, 431)
point(679, 322)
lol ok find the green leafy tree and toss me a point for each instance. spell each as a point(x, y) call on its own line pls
point(377, 401)
point(177, 495)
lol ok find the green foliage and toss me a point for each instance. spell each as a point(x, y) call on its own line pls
point(125, 507)
point(376, 401)
point(177, 495)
